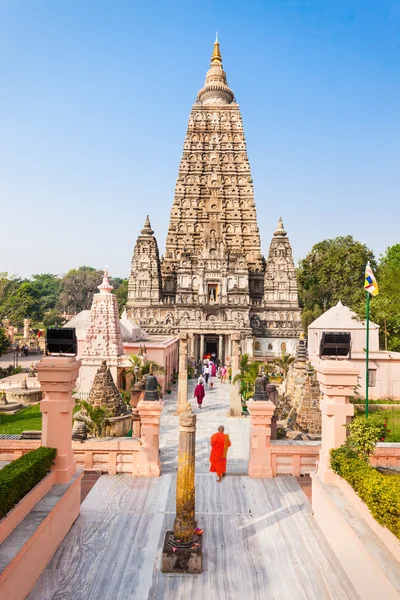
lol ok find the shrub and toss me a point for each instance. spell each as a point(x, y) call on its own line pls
point(380, 493)
point(20, 476)
point(364, 434)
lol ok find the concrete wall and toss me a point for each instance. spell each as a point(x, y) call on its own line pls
point(28, 549)
point(368, 552)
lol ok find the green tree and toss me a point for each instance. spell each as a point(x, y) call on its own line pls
point(121, 291)
point(4, 342)
point(46, 288)
point(53, 318)
point(385, 307)
point(284, 362)
point(95, 417)
point(247, 376)
point(21, 303)
point(334, 270)
point(77, 289)
point(144, 367)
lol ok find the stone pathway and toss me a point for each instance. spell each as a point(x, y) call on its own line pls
point(214, 412)
point(260, 539)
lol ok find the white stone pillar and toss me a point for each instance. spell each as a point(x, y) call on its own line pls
point(236, 400)
point(228, 346)
point(201, 346)
point(221, 347)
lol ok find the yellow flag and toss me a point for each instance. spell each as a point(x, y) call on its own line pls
point(370, 283)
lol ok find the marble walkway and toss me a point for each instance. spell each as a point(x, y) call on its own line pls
point(260, 539)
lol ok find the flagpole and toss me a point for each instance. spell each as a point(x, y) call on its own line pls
point(366, 363)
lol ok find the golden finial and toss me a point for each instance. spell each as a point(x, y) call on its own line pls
point(301, 336)
point(216, 55)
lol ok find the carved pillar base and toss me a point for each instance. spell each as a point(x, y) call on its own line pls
point(261, 413)
point(149, 464)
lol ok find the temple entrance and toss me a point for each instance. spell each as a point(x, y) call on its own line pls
point(211, 345)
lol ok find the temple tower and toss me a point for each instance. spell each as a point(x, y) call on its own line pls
point(213, 216)
point(280, 279)
point(211, 281)
point(103, 340)
point(144, 287)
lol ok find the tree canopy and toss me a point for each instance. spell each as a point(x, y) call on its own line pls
point(333, 270)
point(385, 307)
point(44, 297)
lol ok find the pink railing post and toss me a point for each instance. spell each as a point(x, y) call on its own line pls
point(149, 455)
point(337, 380)
point(57, 376)
point(261, 413)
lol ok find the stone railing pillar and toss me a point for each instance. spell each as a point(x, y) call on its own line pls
point(149, 464)
point(202, 346)
point(261, 413)
point(337, 380)
point(236, 400)
point(57, 376)
point(182, 374)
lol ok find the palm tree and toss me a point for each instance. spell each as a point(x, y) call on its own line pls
point(247, 376)
point(283, 363)
point(95, 417)
point(140, 368)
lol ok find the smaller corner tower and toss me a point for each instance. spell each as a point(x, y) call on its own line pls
point(280, 278)
point(144, 287)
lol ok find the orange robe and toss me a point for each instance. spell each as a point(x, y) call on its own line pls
point(220, 443)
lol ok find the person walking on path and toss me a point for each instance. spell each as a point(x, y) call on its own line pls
point(214, 370)
point(222, 373)
point(206, 371)
point(220, 443)
point(199, 394)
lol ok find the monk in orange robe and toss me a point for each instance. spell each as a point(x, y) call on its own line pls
point(220, 443)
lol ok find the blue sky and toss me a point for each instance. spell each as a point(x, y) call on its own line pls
point(95, 98)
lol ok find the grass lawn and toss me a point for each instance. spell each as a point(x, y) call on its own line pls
point(28, 418)
point(392, 418)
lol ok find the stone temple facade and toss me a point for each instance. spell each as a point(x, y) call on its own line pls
point(213, 280)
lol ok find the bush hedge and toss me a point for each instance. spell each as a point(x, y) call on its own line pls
point(381, 493)
point(20, 476)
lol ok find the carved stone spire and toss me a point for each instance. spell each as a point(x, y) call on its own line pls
point(144, 286)
point(216, 55)
point(147, 230)
point(280, 278)
point(216, 90)
point(105, 287)
point(280, 231)
point(213, 226)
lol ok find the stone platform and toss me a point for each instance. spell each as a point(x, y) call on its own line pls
point(260, 539)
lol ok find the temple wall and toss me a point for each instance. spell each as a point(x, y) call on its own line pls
point(385, 365)
point(275, 346)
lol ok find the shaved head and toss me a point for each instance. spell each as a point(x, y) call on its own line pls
point(221, 428)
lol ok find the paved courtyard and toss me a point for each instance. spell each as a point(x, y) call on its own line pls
point(260, 539)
